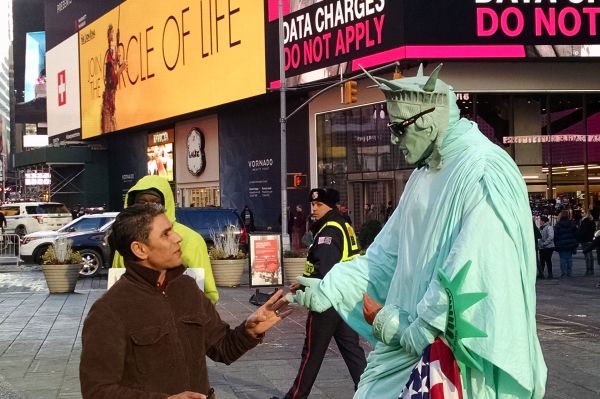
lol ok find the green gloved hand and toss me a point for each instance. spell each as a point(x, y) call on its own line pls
point(416, 337)
point(311, 297)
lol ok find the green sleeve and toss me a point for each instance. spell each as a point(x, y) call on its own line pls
point(195, 254)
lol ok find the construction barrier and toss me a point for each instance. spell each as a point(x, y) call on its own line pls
point(10, 249)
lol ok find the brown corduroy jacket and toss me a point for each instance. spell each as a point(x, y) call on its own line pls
point(140, 341)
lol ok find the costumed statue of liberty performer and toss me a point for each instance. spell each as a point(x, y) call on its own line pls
point(454, 265)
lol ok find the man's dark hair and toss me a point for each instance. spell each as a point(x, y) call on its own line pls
point(133, 224)
point(544, 219)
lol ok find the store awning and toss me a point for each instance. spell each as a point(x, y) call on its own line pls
point(71, 155)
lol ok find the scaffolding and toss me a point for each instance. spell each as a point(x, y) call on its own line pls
point(47, 182)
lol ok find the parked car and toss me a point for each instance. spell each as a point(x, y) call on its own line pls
point(94, 249)
point(212, 220)
point(28, 217)
point(34, 245)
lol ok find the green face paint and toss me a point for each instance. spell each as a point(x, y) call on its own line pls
point(418, 110)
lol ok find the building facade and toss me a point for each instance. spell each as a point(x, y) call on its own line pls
point(191, 92)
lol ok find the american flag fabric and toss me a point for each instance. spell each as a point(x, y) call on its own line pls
point(436, 375)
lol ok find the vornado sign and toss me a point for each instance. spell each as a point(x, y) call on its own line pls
point(137, 70)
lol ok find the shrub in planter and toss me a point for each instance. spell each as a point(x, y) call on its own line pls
point(227, 259)
point(61, 266)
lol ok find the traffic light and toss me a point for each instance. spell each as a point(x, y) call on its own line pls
point(299, 181)
point(350, 92)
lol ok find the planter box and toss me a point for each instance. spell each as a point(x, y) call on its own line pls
point(228, 272)
point(61, 278)
point(293, 267)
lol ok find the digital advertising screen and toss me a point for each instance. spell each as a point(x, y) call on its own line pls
point(35, 63)
point(160, 160)
point(140, 64)
point(326, 38)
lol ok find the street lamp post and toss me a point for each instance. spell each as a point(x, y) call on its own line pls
point(285, 237)
point(3, 165)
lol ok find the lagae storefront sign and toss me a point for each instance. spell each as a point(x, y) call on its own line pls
point(195, 155)
point(146, 61)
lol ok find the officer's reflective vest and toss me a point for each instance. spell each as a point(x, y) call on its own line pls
point(350, 250)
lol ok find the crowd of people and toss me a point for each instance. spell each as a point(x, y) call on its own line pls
point(565, 237)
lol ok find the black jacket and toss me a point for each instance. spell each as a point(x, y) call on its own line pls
point(586, 230)
point(565, 236)
point(328, 244)
point(594, 245)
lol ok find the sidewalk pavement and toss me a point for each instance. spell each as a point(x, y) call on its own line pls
point(40, 341)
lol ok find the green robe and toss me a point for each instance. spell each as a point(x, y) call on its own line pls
point(475, 208)
point(193, 248)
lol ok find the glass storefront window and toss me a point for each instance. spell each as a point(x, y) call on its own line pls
point(465, 104)
point(592, 121)
point(564, 147)
point(206, 196)
point(593, 127)
point(492, 113)
point(566, 118)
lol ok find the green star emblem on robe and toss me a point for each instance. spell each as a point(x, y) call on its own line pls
point(457, 327)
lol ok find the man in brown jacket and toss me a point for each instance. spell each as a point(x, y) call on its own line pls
point(148, 336)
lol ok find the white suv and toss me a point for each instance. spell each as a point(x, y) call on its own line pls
point(27, 217)
point(35, 244)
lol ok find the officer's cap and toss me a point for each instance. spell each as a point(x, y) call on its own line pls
point(328, 196)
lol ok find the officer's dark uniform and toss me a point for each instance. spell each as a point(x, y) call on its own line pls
point(334, 241)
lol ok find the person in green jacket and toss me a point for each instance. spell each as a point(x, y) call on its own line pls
point(193, 248)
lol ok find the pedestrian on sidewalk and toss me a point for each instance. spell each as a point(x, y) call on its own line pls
point(565, 242)
point(299, 226)
point(149, 335)
point(585, 234)
point(248, 218)
point(334, 241)
point(546, 245)
point(2, 222)
point(537, 235)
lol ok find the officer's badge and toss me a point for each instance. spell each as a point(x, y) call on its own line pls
point(324, 240)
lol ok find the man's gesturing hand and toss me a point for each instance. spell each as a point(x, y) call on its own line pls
point(269, 314)
point(311, 297)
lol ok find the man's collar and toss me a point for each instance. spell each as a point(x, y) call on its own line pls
point(149, 276)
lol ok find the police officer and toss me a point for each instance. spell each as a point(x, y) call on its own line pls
point(334, 241)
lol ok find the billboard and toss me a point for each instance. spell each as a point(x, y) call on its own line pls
point(180, 57)
point(63, 18)
point(324, 38)
point(62, 86)
point(35, 63)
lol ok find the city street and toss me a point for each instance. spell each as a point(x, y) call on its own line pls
point(40, 341)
